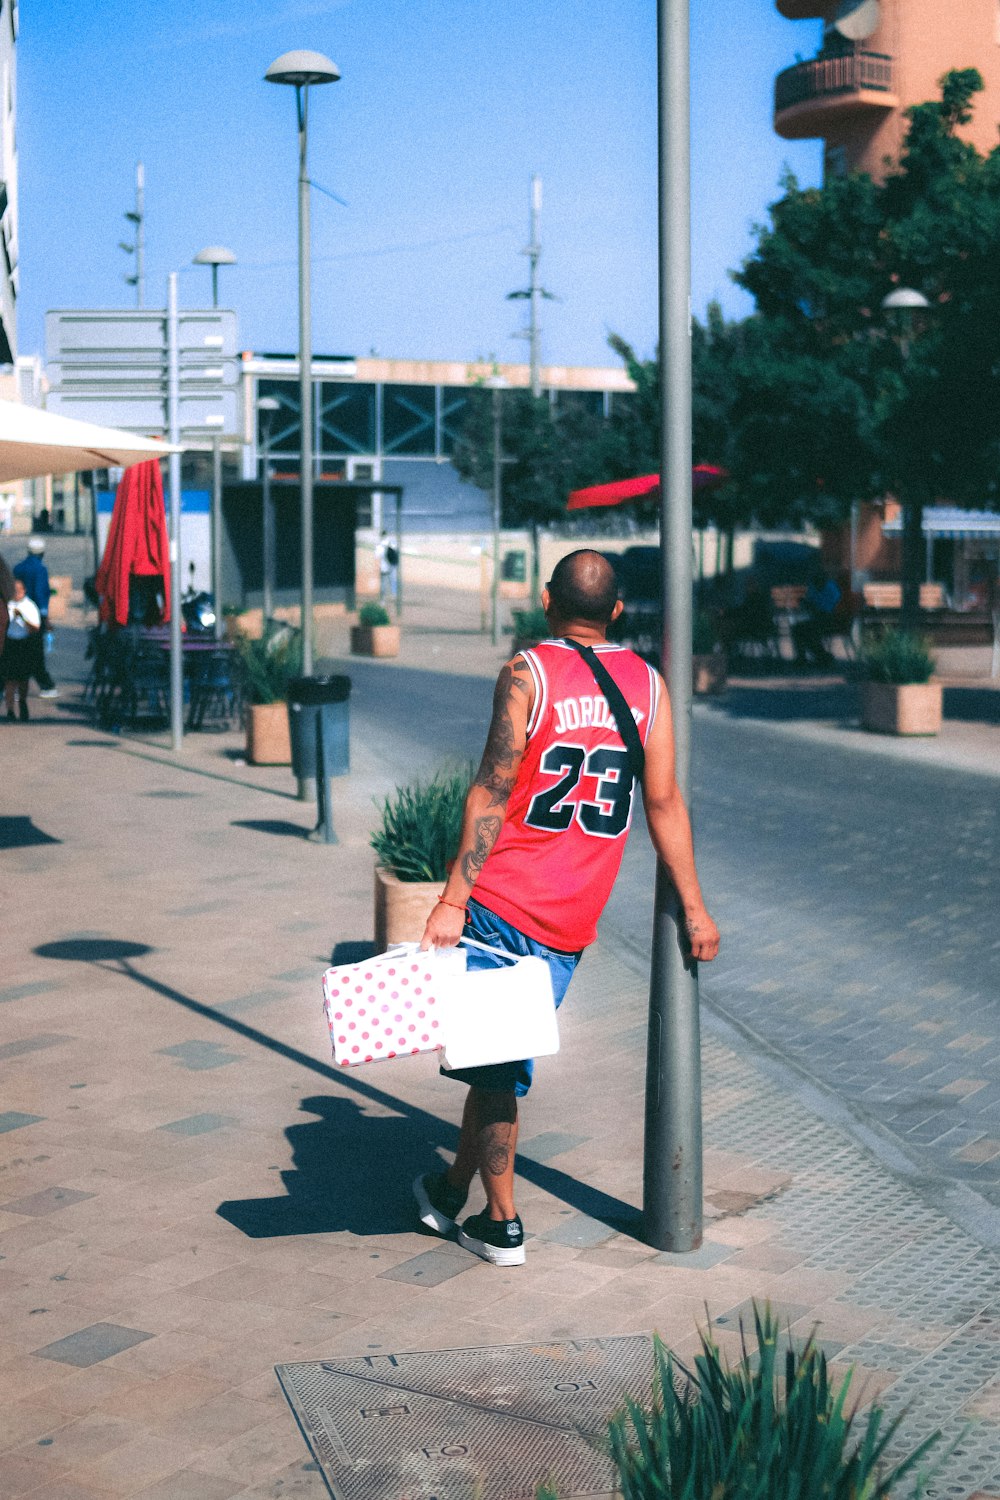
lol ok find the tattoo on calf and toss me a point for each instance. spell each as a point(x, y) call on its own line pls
point(495, 1152)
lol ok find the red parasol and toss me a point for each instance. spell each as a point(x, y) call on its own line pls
point(137, 544)
point(703, 477)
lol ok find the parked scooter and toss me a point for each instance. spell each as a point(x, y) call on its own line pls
point(198, 612)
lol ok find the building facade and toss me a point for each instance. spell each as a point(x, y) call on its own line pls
point(396, 421)
point(8, 182)
point(878, 57)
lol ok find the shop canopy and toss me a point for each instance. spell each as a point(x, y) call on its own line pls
point(703, 477)
point(34, 443)
point(948, 522)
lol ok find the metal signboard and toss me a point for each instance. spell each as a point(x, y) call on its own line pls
point(110, 366)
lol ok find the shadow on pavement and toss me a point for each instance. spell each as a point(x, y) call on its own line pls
point(350, 1171)
point(414, 1127)
point(279, 826)
point(352, 953)
point(21, 833)
point(972, 705)
point(787, 701)
point(90, 950)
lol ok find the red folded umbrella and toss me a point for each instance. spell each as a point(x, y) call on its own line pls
point(137, 544)
point(703, 477)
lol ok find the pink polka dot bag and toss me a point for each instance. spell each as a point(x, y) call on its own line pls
point(391, 1005)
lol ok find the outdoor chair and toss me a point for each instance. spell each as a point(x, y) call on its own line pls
point(215, 690)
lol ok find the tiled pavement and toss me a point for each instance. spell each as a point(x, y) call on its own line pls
point(189, 1193)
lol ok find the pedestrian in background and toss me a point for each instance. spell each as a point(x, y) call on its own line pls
point(23, 624)
point(388, 568)
point(6, 595)
point(34, 574)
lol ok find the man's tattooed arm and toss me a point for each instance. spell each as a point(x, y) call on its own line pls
point(508, 731)
point(486, 806)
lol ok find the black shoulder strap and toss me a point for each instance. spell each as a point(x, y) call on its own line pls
point(627, 726)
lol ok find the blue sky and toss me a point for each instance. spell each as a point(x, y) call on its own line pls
point(444, 110)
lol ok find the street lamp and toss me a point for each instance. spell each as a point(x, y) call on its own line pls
point(672, 1166)
point(904, 302)
point(497, 384)
point(214, 256)
point(300, 70)
point(267, 406)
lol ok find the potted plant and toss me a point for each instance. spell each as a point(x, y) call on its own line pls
point(708, 661)
point(415, 843)
point(530, 627)
point(776, 1423)
point(231, 616)
point(268, 665)
point(374, 634)
point(898, 693)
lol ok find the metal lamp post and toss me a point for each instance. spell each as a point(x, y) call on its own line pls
point(904, 303)
point(672, 1166)
point(267, 406)
point(216, 256)
point(497, 384)
point(300, 70)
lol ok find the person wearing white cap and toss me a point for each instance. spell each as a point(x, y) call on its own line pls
point(35, 576)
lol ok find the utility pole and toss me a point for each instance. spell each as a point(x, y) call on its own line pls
point(174, 483)
point(672, 1168)
point(137, 218)
point(534, 292)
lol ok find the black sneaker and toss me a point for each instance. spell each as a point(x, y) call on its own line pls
point(438, 1203)
point(24, 712)
point(500, 1241)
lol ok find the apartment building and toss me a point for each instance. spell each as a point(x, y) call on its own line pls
point(876, 58)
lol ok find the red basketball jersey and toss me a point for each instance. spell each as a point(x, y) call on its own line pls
point(551, 870)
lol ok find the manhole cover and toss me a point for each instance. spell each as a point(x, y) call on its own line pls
point(468, 1424)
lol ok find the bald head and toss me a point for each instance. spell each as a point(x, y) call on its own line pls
point(583, 586)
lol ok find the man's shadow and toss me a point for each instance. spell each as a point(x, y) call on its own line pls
point(350, 1171)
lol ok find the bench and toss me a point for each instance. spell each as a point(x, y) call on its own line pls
point(879, 597)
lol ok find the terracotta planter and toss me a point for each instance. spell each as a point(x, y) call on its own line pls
point(59, 601)
point(269, 741)
point(708, 672)
point(402, 908)
point(901, 708)
point(374, 640)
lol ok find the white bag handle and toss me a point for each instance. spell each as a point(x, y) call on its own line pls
point(467, 942)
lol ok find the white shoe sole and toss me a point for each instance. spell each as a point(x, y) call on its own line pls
point(495, 1254)
point(429, 1215)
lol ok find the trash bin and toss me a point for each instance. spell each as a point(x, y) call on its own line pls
point(514, 568)
point(320, 704)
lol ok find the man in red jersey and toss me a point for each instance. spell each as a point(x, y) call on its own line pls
point(542, 840)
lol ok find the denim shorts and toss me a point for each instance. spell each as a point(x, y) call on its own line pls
point(487, 927)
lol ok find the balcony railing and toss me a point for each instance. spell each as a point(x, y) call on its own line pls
point(839, 73)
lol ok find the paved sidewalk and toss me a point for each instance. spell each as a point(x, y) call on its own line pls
point(190, 1193)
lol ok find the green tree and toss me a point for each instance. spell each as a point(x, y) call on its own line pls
point(545, 450)
point(833, 403)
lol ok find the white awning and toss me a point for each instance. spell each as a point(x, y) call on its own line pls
point(35, 442)
point(949, 521)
